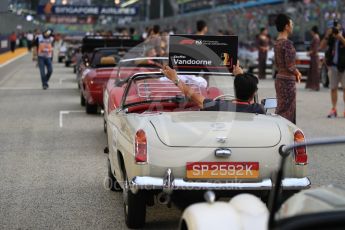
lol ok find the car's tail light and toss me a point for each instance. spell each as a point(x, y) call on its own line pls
point(140, 147)
point(301, 156)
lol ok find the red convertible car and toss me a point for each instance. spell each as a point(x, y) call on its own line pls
point(90, 43)
point(95, 77)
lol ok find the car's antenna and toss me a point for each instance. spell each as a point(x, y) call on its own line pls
point(275, 192)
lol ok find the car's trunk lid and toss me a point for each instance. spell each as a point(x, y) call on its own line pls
point(216, 129)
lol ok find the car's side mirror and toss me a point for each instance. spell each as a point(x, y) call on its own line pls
point(269, 103)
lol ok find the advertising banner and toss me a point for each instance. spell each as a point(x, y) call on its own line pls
point(51, 9)
point(71, 19)
point(203, 53)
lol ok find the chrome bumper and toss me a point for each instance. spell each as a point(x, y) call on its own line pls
point(168, 183)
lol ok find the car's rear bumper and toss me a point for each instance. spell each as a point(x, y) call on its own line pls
point(169, 183)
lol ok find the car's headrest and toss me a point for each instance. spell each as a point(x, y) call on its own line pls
point(108, 61)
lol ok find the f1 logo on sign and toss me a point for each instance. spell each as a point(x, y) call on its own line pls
point(198, 42)
point(187, 42)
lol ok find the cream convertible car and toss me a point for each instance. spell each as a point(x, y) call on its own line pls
point(161, 145)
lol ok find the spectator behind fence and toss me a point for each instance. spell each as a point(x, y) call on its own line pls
point(201, 27)
point(262, 43)
point(30, 39)
point(313, 80)
point(154, 40)
point(13, 41)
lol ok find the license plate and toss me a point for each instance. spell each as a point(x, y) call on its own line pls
point(222, 170)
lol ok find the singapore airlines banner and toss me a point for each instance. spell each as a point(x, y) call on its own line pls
point(50, 9)
point(203, 53)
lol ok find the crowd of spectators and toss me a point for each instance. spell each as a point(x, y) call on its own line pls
point(246, 22)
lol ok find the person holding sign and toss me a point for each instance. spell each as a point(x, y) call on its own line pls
point(245, 89)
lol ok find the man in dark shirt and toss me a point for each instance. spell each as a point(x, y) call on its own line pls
point(245, 88)
point(335, 60)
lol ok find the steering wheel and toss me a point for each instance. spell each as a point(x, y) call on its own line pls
point(225, 96)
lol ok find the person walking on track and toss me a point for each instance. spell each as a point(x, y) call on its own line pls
point(44, 44)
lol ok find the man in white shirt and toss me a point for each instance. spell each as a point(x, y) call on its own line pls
point(30, 39)
point(45, 53)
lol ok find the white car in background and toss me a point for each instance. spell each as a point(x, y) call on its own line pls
point(303, 65)
point(249, 57)
point(303, 58)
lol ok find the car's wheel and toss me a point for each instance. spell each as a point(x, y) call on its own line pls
point(82, 100)
point(324, 76)
point(104, 125)
point(134, 207)
point(113, 185)
point(183, 225)
point(90, 109)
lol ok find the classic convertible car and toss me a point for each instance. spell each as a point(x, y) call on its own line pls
point(90, 43)
point(161, 144)
point(96, 76)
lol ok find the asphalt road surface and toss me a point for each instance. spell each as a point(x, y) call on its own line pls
point(51, 177)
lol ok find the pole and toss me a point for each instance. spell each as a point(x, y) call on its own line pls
point(161, 6)
point(148, 3)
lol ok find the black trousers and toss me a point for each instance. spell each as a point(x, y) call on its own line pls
point(13, 46)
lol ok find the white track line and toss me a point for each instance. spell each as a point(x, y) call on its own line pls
point(65, 112)
point(12, 60)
